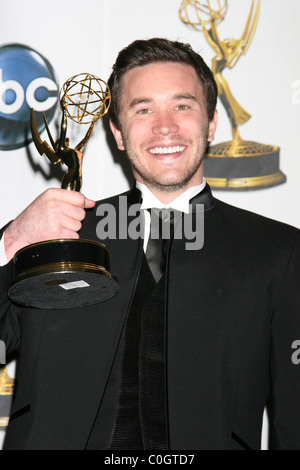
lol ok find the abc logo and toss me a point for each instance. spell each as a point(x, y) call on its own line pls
point(27, 80)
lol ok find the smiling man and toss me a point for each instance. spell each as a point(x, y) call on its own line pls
point(196, 341)
point(165, 128)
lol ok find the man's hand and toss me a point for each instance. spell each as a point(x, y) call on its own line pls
point(55, 214)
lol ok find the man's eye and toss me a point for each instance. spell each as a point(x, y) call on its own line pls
point(182, 107)
point(144, 111)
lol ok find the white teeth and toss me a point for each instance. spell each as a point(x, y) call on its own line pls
point(167, 150)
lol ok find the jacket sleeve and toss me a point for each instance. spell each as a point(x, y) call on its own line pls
point(285, 361)
point(9, 312)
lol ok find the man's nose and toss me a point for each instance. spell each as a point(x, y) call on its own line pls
point(165, 124)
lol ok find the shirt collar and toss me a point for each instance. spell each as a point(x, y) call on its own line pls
point(181, 203)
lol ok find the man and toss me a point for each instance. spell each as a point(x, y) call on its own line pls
point(186, 360)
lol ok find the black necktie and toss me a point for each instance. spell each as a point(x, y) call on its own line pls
point(160, 233)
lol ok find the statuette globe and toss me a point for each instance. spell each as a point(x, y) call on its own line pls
point(198, 14)
point(85, 98)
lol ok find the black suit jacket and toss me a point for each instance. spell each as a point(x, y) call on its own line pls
point(232, 316)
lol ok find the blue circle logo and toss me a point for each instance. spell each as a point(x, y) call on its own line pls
point(27, 80)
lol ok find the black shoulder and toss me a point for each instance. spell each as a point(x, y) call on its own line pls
point(249, 225)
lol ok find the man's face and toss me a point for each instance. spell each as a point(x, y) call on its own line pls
point(164, 125)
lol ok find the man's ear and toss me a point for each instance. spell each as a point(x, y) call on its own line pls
point(213, 127)
point(117, 135)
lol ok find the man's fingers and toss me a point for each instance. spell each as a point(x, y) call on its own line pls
point(89, 204)
point(70, 224)
point(55, 214)
point(69, 234)
point(70, 197)
point(73, 212)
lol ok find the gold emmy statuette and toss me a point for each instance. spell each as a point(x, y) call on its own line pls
point(238, 164)
point(65, 274)
point(6, 394)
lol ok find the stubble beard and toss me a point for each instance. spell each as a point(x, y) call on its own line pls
point(154, 182)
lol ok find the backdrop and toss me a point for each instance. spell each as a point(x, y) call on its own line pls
point(86, 37)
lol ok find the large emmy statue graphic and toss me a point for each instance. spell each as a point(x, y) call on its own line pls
point(238, 164)
point(64, 274)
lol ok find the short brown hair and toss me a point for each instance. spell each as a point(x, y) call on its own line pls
point(145, 52)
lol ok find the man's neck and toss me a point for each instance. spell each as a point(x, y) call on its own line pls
point(165, 196)
point(180, 202)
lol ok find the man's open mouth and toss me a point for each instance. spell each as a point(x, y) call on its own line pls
point(167, 150)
